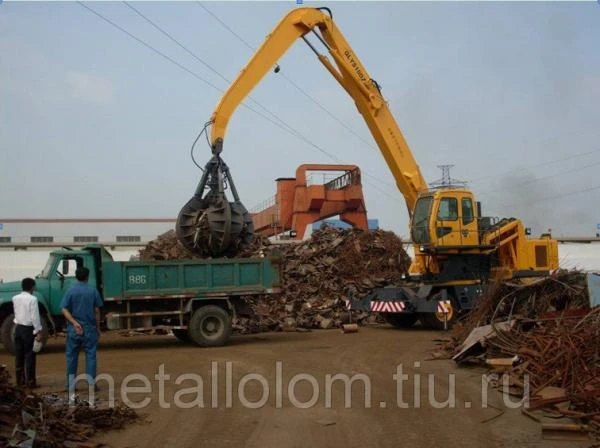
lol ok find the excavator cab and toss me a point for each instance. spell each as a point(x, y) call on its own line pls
point(452, 240)
point(445, 219)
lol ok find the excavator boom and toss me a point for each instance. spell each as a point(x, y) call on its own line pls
point(347, 70)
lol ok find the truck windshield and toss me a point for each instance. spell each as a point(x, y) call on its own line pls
point(48, 268)
point(420, 222)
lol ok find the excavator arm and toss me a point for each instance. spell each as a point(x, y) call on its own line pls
point(446, 245)
point(351, 75)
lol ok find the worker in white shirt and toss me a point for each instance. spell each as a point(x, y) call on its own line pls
point(27, 328)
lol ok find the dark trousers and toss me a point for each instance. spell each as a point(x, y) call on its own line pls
point(24, 354)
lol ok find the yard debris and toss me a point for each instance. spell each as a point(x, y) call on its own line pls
point(325, 422)
point(543, 336)
point(476, 341)
point(28, 419)
point(502, 362)
point(350, 328)
point(318, 274)
point(562, 293)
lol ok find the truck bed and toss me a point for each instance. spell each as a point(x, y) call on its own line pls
point(190, 278)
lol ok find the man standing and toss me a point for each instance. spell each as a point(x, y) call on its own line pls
point(27, 328)
point(81, 307)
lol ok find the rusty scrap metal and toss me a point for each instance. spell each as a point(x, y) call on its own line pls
point(317, 275)
point(28, 419)
point(554, 340)
point(167, 247)
point(560, 295)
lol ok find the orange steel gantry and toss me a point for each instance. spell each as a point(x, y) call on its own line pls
point(297, 204)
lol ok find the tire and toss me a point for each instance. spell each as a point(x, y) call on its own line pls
point(182, 335)
point(437, 321)
point(210, 326)
point(401, 320)
point(7, 333)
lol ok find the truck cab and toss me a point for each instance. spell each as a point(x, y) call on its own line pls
point(56, 277)
point(59, 273)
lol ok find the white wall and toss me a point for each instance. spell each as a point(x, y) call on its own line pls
point(15, 265)
point(579, 256)
point(64, 232)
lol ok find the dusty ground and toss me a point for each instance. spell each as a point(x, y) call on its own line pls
point(374, 352)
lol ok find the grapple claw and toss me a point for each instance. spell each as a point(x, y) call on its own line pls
point(210, 225)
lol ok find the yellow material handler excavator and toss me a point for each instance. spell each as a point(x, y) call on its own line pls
point(456, 250)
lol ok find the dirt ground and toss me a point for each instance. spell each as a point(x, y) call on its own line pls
point(288, 418)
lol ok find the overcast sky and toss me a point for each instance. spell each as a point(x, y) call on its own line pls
point(94, 124)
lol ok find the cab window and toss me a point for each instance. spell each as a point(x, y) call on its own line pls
point(420, 231)
point(448, 209)
point(48, 268)
point(467, 211)
point(68, 266)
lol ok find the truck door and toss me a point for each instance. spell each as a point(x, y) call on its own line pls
point(63, 276)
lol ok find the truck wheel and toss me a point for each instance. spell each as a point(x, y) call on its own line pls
point(210, 326)
point(401, 320)
point(182, 335)
point(7, 333)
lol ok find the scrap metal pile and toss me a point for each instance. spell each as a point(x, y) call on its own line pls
point(167, 247)
point(317, 275)
point(28, 420)
point(319, 272)
point(565, 290)
point(544, 334)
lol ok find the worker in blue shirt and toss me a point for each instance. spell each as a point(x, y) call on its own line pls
point(81, 308)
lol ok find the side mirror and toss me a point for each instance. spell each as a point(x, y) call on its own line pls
point(65, 267)
point(527, 231)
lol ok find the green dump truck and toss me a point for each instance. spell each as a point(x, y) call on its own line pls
point(195, 299)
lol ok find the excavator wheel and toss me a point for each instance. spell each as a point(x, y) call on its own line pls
point(437, 321)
